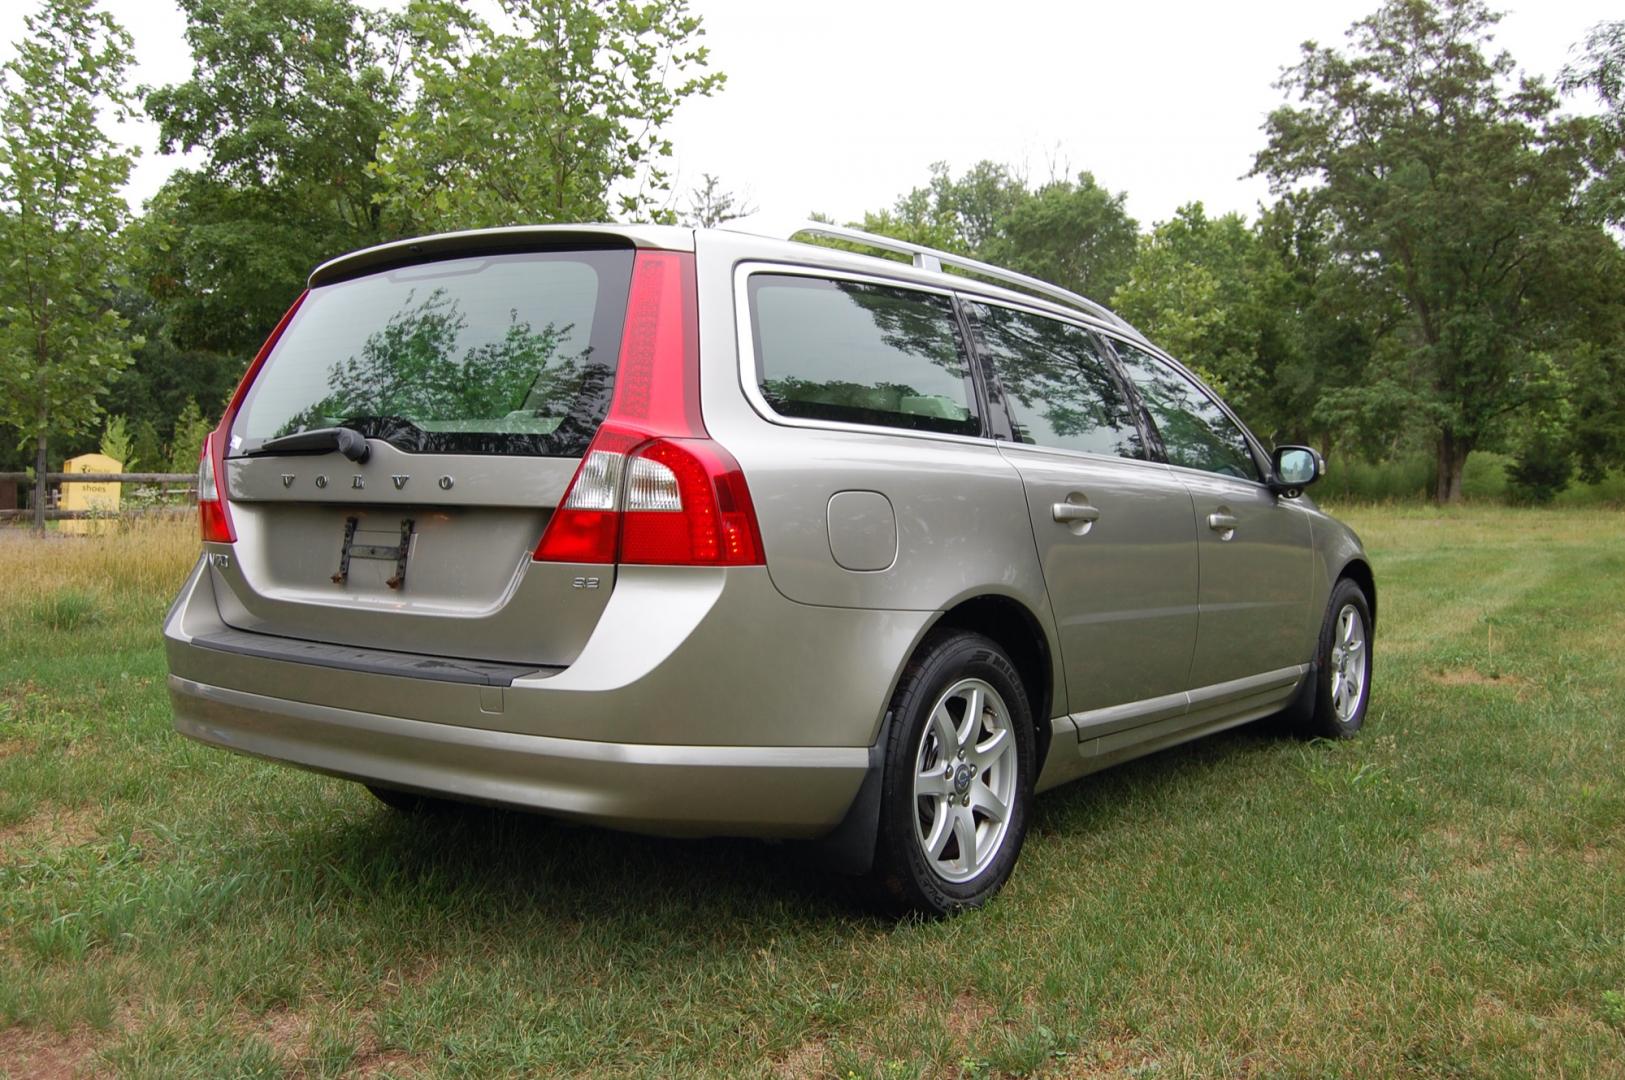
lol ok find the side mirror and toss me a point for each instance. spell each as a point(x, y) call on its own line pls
point(1295, 467)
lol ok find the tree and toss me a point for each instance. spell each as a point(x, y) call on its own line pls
point(60, 175)
point(561, 120)
point(1453, 196)
point(287, 100)
point(1601, 70)
point(709, 204)
point(1075, 234)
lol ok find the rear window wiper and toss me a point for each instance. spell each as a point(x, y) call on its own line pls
point(347, 441)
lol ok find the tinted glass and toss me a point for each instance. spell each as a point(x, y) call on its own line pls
point(1059, 389)
point(1195, 432)
point(865, 354)
point(501, 354)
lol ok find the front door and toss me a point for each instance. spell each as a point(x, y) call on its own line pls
point(1254, 548)
point(1114, 530)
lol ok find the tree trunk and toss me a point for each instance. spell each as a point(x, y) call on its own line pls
point(41, 491)
point(1452, 458)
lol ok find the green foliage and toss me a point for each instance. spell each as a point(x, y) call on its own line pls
point(559, 120)
point(1542, 467)
point(145, 446)
point(116, 443)
point(287, 102)
point(1075, 234)
point(710, 204)
point(1199, 289)
point(1602, 71)
point(1455, 200)
point(61, 216)
point(190, 430)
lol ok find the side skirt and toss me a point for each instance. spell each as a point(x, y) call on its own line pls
point(1120, 733)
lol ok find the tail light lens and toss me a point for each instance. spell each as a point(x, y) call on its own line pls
point(654, 487)
point(213, 520)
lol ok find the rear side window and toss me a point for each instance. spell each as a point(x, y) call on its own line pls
point(860, 353)
point(499, 354)
point(1195, 432)
point(1059, 389)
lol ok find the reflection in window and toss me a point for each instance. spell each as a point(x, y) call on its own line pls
point(1059, 390)
point(860, 353)
point(493, 355)
point(1195, 432)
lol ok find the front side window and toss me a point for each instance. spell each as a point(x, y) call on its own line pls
point(1059, 389)
point(495, 354)
point(1195, 432)
point(860, 353)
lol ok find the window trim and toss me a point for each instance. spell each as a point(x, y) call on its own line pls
point(1260, 459)
point(1108, 356)
point(747, 352)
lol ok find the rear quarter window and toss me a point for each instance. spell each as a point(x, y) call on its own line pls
point(855, 352)
point(492, 354)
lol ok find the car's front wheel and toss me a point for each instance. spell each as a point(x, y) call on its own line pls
point(958, 777)
point(1341, 681)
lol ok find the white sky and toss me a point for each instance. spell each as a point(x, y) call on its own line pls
point(840, 105)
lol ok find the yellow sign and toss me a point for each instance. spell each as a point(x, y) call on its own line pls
point(102, 497)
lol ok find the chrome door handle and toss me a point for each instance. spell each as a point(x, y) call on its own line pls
point(1223, 524)
point(1070, 512)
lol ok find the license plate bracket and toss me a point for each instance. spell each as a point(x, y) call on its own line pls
point(382, 552)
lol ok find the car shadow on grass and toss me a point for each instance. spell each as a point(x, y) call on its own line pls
point(491, 866)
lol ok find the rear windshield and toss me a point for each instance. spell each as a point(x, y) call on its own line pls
point(496, 354)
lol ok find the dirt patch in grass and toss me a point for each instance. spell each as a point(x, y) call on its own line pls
point(1473, 677)
point(46, 1055)
point(59, 828)
point(967, 1015)
point(811, 1058)
point(9, 747)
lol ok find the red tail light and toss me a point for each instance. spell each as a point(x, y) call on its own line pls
point(654, 487)
point(214, 515)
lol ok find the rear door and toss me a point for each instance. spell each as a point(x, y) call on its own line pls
point(1255, 553)
point(1113, 528)
point(477, 380)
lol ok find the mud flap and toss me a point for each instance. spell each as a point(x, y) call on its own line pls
point(850, 848)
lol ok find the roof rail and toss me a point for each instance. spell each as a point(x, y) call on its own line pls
point(925, 258)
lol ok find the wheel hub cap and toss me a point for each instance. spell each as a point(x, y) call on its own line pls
point(964, 780)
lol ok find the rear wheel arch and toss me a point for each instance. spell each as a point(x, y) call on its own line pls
point(1016, 630)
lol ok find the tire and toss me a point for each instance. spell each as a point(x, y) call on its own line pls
point(1342, 675)
point(410, 802)
point(942, 846)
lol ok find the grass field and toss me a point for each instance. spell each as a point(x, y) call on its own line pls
point(1444, 896)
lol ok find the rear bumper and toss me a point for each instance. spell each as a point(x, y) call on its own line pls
point(674, 790)
point(705, 703)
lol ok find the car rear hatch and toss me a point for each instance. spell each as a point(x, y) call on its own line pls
point(394, 460)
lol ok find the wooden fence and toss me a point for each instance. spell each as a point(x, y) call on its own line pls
point(163, 480)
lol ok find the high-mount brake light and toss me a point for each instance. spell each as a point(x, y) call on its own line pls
point(214, 515)
point(654, 487)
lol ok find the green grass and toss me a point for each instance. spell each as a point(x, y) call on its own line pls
point(1444, 896)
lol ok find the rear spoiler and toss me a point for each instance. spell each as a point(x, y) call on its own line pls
point(423, 249)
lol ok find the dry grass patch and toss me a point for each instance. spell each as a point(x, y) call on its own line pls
point(809, 1059)
point(142, 557)
point(52, 829)
point(47, 1055)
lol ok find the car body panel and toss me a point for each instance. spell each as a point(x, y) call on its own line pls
point(745, 700)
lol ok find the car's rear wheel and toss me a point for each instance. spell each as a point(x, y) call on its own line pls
point(958, 777)
point(1342, 676)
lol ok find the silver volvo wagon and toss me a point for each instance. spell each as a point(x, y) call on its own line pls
point(714, 532)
